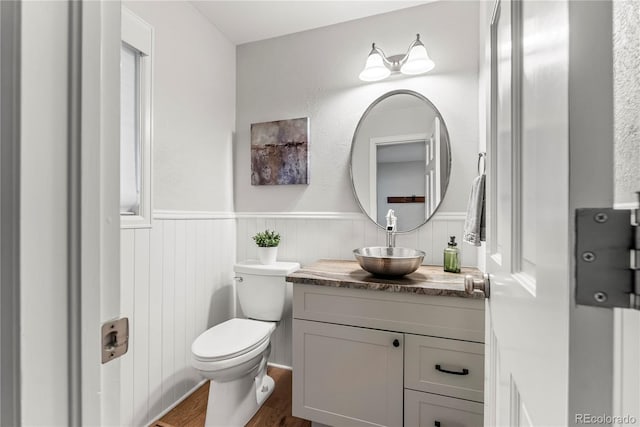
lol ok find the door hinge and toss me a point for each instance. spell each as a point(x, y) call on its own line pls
point(115, 339)
point(607, 256)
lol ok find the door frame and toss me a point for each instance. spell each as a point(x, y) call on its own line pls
point(97, 207)
point(591, 184)
point(380, 141)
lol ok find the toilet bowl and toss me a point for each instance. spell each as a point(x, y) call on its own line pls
point(233, 355)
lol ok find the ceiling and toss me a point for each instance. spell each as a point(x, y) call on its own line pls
point(247, 21)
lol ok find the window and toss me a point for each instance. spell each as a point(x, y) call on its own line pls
point(135, 121)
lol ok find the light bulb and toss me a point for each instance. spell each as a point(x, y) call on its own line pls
point(374, 68)
point(418, 60)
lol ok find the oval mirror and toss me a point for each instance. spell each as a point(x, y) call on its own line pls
point(400, 159)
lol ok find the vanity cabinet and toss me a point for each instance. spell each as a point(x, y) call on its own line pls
point(376, 358)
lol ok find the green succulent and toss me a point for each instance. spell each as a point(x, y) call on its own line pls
point(267, 239)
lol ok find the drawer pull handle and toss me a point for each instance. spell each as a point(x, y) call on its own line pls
point(396, 343)
point(437, 424)
point(465, 371)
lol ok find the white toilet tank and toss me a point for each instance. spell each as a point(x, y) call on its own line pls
point(262, 289)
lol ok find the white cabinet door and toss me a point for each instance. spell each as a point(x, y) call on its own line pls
point(347, 376)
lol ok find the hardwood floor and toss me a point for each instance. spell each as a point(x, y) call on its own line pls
point(190, 412)
point(276, 411)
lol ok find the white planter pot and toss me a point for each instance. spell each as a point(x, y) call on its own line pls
point(267, 255)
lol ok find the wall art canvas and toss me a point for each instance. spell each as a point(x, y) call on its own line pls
point(279, 152)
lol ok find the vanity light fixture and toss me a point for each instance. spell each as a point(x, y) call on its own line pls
point(379, 66)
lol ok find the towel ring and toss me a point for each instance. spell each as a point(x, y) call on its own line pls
point(482, 157)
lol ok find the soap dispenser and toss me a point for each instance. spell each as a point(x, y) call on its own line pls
point(452, 256)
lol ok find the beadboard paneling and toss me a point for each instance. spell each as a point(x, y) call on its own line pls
point(176, 283)
point(307, 239)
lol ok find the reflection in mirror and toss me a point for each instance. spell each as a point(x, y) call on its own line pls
point(400, 159)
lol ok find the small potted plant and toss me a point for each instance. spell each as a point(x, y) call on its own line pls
point(267, 242)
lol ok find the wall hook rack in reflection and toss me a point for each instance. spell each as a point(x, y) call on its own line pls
point(405, 199)
point(482, 159)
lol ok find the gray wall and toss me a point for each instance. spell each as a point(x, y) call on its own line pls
point(315, 74)
point(626, 80)
point(193, 108)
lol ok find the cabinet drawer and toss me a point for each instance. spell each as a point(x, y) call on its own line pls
point(429, 410)
point(441, 316)
point(443, 366)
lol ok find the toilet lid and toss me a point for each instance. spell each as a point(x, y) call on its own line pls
point(231, 338)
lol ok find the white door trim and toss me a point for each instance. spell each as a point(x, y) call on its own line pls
point(98, 209)
point(376, 142)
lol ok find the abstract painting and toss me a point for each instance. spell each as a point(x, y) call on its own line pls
point(279, 152)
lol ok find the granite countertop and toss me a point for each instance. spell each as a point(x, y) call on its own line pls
point(427, 280)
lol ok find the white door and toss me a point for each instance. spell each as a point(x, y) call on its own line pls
point(550, 151)
point(69, 218)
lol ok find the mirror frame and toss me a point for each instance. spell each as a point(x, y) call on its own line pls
point(355, 135)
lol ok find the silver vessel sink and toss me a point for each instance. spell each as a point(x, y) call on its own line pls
point(389, 261)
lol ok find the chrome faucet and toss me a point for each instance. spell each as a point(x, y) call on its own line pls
point(391, 229)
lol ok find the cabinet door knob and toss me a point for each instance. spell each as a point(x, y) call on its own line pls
point(437, 424)
point(396, 343)
point(471, 284)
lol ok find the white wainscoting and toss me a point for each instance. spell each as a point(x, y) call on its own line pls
point(308, 236)
point(626, 369)
point(176, 282)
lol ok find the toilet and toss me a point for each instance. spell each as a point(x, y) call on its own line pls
point(233, 354)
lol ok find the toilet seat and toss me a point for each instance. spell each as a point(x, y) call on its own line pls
point(231, 343)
